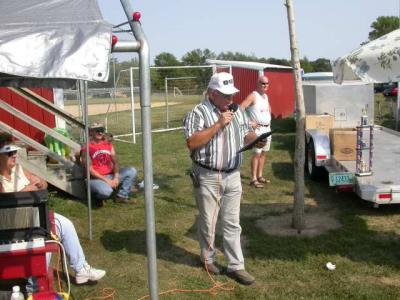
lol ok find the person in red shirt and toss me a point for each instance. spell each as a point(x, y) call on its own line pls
point(106, 174)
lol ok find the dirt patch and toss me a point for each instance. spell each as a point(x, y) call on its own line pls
point(317, 222)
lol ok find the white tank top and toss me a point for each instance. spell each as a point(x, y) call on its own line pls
point(17, 181)
point(260, 111)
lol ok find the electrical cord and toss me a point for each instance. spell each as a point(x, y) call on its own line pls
point(65, 264)
point(227, 287)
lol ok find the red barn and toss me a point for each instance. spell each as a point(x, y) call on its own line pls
point(281, 92)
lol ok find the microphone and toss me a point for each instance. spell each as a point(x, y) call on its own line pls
point(233, 107)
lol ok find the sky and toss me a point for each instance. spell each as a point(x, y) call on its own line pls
point(325, 28)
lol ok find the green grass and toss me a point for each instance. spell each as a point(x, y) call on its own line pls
point(365, 249)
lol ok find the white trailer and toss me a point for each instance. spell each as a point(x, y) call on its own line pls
point(345, 103)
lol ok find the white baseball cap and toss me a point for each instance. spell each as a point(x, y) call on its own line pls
point(8, 148)
point(223, 82)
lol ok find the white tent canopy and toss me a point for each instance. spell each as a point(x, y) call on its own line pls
point(377, 61)
point(44, 41)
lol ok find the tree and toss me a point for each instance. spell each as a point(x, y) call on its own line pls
point(321, 65)
point(298, 207)
point(382, 26)
point(165, 59)
point(198, 57)
point(306, 65)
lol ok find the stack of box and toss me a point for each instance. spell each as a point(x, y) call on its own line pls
point(343, 140)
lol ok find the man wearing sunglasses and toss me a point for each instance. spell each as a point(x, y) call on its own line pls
point(106, 174)
point(215, 130)
point(257, 106)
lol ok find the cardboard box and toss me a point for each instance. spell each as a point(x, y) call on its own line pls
point(322, 122)
point(343, 143)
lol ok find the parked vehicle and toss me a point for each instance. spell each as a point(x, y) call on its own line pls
point(390, 90)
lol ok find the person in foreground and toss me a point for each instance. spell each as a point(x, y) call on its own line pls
point(14, 178)
point(105, 172)
point(259, 110)
point(214, 133)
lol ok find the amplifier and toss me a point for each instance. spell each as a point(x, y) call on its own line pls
point(24, 216)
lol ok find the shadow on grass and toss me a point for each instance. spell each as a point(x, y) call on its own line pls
point(354, 240)
point(134, 242)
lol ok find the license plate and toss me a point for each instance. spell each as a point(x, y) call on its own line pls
point(342, 178)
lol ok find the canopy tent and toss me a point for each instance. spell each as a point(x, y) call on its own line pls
point(45, 41)
point(376, 61)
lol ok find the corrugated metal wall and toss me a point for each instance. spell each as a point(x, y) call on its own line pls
point(280, 93)
point(28, 108)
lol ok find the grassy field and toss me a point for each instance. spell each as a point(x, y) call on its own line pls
point(365, 247)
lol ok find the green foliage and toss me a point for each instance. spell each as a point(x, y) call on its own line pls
point(383, 25)
point(321, 65)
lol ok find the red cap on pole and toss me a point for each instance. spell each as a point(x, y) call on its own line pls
point(114, 40)
point(136, 16)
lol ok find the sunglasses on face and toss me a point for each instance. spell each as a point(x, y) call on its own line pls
point(99, 130)
point(11, 153)
point(264, 83)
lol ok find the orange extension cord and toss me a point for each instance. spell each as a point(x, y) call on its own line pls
point(227, 287)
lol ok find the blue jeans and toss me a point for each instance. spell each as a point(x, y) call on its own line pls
point(66, 232)
point(101, 190)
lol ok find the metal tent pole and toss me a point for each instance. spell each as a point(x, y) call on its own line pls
point(145, 87)
point(83, 95)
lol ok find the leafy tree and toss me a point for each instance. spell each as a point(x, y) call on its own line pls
point(236, 56)
point(321, 65)
point(306, 65)
point(278, 61)
point(165, 59)
point(198, 57)
point(382, 26)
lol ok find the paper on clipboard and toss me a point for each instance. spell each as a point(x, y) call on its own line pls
point(253, 143)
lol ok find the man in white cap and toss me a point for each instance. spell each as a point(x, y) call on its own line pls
point(214, 132)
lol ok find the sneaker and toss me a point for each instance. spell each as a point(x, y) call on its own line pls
point(123, 200)
point(241, 276)
point(212, 269)
point(88, 273)
point(141, 185)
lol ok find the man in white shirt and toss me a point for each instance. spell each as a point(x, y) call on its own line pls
point(257, 106)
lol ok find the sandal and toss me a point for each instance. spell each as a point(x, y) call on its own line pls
point(256, 184)
point(263, 180)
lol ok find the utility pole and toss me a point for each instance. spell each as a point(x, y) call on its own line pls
point(298, 207)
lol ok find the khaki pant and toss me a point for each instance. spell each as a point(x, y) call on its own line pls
point(218, 195)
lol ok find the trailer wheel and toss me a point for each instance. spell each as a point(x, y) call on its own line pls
point(313, 171)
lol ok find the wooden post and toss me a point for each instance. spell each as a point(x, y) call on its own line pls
point(298, 207)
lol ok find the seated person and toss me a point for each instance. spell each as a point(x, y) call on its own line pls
point(105, 172)
point(14, 178)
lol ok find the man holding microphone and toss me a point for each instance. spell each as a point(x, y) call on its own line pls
point(214, 133)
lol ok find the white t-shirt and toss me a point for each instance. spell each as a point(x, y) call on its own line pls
point(17, 181)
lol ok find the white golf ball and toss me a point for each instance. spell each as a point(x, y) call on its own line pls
point(330, 266)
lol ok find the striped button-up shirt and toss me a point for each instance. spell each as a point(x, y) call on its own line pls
point(221, 151)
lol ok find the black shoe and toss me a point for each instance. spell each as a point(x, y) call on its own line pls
point(124, 200)
point(241, 276)
point(212, 269)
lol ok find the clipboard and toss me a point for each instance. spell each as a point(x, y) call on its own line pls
point(253, 143)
